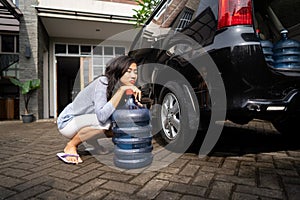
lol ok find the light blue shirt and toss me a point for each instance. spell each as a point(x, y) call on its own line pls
point(92, 99)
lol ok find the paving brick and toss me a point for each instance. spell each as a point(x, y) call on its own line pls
point(241, 196)
point(260, 191)
point(270, 181)
point(291, 180)
point(121, 196)
point(218, 160)
point(247, 171)
point(186, 189)
point(243, 158)
point(173, 178)
point(284, 164)
point(54, 194)
point(295, 154)
point(64, 174)
point(143, 178)
point(218, 170)
point(28, 184)
point(179, 163)
point(293, 191)
point(96, 194)
point(171, 170)
point(264, 164)
point(152, 188)
point(116, 176)
point(189, 170)
point(61, 184)
point(237, 180)
point(190, 197)
point(285, 172)
point(120, 187)
point(168, 196)
point(204, 163)
point(22, 166)
point(230, 164)
point(221, 190)
point(46, 165)
point(32, 192)
point(17, 173)
point(87, 187)
point(10, 181)
point(264, 158)
point(87, 176)
point(4, 193)
point(89, 167)
point(44, 172)
point(203, 179)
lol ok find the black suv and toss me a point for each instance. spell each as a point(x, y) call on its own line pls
point(205, 61)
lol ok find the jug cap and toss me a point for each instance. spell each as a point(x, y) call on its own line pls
point(129, 92)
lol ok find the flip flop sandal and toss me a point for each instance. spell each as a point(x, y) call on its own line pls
point(63, 157)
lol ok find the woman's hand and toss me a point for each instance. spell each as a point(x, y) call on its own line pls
point(120, 92)
point(136, 92)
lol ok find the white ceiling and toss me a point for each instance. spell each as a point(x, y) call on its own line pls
point(83, 29)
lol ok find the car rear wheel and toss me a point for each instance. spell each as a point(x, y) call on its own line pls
point(170, 117)
point(177, 118)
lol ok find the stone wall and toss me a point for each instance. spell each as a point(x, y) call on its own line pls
point(28, 38)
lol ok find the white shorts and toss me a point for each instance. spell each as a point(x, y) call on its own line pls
point(78, 122)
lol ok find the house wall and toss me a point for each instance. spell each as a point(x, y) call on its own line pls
point(28, 39)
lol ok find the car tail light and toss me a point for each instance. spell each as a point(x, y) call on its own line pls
point(234, 12)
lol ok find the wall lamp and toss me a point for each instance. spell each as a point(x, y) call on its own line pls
point(27, 51)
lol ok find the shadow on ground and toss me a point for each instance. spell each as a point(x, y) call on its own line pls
point(241, 140)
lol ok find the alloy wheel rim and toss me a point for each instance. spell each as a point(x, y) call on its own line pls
point(170, 116)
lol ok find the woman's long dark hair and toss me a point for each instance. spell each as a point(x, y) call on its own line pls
point(115, 69)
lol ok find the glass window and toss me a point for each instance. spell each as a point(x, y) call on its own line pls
point(73, 49)
point(60, 48)
point(8, 43)
point(183, 19)
point(85, 50)
point(120, 51)
point(97, 50)
point(108, 51)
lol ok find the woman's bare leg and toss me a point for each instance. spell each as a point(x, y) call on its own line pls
point(82, 135)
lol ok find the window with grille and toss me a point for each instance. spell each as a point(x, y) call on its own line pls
point(183, 19)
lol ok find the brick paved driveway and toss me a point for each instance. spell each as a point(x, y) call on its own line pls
point(249, 162)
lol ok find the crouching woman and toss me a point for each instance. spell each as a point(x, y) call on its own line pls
point(89, 114)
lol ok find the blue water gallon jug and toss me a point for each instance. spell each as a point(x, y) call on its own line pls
point(267, 47)
point(132, 135)
point(286, 53)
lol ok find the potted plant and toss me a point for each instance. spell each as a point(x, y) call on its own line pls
point(27, 89)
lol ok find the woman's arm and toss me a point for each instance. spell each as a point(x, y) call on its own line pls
point(104, 108)
point(115, 100)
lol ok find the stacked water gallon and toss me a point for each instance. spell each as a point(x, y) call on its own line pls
point(286, 53)
point(267, 47)
point(132, 137)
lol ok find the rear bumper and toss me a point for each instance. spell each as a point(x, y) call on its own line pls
point(271, 107)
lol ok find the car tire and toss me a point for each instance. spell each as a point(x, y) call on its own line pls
point(177, 120)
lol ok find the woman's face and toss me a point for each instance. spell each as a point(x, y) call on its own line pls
point(130, 76)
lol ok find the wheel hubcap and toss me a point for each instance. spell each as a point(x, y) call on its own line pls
point(170, 116)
